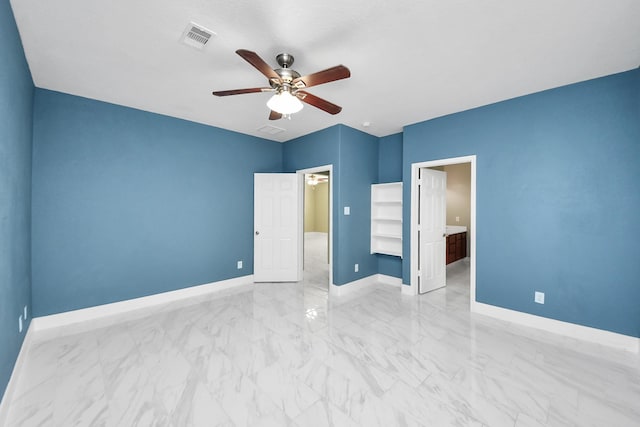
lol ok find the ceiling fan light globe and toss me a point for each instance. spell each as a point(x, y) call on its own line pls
point(284, 103)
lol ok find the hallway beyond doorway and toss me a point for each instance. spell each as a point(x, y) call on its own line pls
point(316, 266)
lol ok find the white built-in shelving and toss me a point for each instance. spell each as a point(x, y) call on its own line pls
point(386, 218)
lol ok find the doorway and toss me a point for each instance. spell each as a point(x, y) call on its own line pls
point(415, 218)
point(316, 220)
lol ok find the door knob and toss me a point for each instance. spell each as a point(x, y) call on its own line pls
point(257, 232)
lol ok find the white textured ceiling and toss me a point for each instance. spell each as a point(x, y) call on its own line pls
point(410, 60)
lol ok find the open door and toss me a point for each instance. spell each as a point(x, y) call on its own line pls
point(432, 219)
point(276, 228)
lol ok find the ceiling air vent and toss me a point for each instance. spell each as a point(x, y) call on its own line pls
point(270, 130)
point(196, 35)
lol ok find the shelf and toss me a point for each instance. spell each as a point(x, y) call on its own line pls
point(387, 236)
point(386, 219)
point(387, 252)
point(387, 202)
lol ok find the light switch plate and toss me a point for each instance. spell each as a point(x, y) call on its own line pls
point(347, 210)
point(539, 297)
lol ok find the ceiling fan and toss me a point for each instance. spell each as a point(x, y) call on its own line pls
point(288, 85)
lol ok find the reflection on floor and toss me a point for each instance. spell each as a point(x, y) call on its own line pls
point(279, 354)
point(316, 265)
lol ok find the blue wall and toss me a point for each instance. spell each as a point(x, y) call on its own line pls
point(390, 170)
point(128, 203)
point(16, 107)
point(358, 170)
point(390, 158)
point(557, 198)
point(353, 155)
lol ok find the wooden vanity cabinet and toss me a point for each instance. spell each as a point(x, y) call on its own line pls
point(456, 247)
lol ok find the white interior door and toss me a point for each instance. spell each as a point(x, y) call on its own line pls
point(431, 226)
point(276, 228)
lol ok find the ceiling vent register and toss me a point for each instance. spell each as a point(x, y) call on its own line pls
point(196, 35)
point(270, 130)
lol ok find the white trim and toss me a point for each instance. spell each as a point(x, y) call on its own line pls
point(365, 282)
point(389, 280)
point(301, 173)
point(356, 285)
point(413, 286)
point(13, 379)
point(407, 290)
point(585, 333)
point(121, 307)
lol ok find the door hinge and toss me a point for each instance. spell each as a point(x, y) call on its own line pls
point(419, 273)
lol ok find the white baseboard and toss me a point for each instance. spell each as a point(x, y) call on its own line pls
point(585, 333)
point(408, 290)
point(13, 380)
point(389, 280)
point(347, 288)
point(127, 306)
point(350, 287)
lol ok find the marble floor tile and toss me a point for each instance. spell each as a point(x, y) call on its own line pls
point(288, 354)
point(324, 414)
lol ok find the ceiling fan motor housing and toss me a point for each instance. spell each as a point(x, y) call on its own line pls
point(287, 74)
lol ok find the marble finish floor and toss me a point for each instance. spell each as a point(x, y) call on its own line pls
point(287, 354)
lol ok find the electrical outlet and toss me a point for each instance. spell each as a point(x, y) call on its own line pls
point(457, 219)
point(356, 268)
point(239, 265)
point(539, 297)
point(25, 312)
point(20, 324)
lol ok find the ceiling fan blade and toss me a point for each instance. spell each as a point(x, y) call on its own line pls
point(241, 91)
point(329, 75)
point(320, 103)
point(253, 59)
point(273, 115)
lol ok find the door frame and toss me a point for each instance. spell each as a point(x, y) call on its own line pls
point(413, 236)
point(301, 173)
